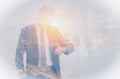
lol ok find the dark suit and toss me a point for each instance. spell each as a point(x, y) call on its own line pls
point(28, 42)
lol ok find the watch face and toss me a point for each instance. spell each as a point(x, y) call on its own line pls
point(70, 39)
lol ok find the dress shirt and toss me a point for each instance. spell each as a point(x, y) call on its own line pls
point(48, 57)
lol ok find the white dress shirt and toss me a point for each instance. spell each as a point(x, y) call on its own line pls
point(48, 57)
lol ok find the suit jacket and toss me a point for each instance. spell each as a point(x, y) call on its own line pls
point(28, 43)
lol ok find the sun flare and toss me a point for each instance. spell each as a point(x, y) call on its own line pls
point(55, 23)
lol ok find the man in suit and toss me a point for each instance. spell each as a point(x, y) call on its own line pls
point(43, 45)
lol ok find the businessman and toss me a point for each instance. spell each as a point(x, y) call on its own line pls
point(43, 44)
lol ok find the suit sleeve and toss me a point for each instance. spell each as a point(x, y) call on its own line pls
point(65, 43)
point(20, 50)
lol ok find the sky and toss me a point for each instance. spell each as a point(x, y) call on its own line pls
point(96, 27)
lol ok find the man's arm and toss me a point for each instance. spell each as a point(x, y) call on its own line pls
point(66, 46)
point(20, 51)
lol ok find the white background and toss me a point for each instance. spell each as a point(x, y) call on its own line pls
point(7, 5)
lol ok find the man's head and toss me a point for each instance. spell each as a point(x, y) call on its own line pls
point(46, 14)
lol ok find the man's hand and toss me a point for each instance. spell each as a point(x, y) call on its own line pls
point(21, 72)
point(59, 50)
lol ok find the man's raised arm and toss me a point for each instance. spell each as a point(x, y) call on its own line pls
point(66, 45)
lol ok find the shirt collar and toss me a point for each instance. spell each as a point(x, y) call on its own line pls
point(38, 27)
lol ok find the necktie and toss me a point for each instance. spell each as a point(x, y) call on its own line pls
point(43, 51)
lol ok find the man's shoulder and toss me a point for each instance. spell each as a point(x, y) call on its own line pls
point(53, 28)
point(28, 27)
